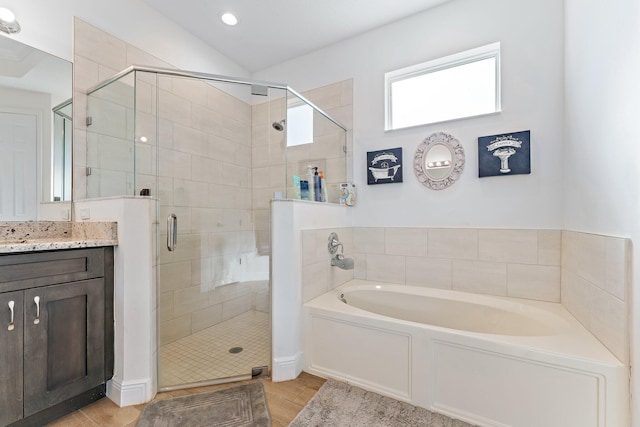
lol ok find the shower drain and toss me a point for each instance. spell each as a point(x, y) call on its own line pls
point(235, 350)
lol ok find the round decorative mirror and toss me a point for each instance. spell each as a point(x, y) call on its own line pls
point(438, 161)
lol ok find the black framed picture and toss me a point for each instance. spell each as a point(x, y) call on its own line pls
point(384, 166)
point(504, 154)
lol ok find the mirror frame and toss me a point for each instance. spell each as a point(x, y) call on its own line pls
point(457, 156)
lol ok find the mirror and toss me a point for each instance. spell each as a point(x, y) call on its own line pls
point(35, 130)
point(438, 161)
point(62, 150)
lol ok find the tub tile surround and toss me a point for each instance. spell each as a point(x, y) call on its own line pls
point(318, 276)
point(595, 286)
point(587, 273)
point(514, 263)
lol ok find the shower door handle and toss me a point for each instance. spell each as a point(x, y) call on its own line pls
point(172, 232)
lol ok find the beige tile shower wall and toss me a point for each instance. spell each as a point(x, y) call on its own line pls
point(205, 171)
point(268, 164)
point(595, 286)
point(514, 263)
point(327, 151)
point(318, 276)
point(187, 309)
point(203, 151)
point(98, 56)
point(273, 166)
point(109, 142)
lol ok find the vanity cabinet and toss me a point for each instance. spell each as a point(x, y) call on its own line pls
point(56, 332)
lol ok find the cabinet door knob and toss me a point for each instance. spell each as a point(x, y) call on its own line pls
point(11, 323)
point(37, 319)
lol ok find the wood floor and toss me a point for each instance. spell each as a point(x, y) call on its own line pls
point(285, 400)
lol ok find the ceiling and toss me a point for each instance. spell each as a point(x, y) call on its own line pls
point(26, 68)
point(272, 31)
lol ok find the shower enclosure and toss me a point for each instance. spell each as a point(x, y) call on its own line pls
point(213, 151)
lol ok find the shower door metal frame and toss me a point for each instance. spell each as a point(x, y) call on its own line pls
point(211, 77)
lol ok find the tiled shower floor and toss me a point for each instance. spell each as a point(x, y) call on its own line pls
point(205, 355)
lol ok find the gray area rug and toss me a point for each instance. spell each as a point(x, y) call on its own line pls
point(240, 406)
point(339, 404)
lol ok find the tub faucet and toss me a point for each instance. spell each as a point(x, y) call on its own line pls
point(338, 259)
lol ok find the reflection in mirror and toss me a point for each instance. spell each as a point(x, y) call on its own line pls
point(61, 155)
point(32, 84)
point(438, 161)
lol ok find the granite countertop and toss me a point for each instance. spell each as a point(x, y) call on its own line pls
point(51, 235)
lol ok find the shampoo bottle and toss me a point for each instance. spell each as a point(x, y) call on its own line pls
point(317, 185)
point(304, 190)
point(296, 187)
point(323, 185)
point(310, 182)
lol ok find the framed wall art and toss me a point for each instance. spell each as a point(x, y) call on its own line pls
point(504, 154)
point(384, 166)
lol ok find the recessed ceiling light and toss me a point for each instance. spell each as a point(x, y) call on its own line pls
point(8, 22)
point(6, 15)
point(229, 18)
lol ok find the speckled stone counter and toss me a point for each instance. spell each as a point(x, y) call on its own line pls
point(51, 235)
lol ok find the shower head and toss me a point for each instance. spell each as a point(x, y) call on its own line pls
point(279, 126)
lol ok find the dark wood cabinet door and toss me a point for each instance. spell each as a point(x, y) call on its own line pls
point(11, 340)
point(63, 342)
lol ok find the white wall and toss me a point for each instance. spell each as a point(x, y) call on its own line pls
point(47, 25)
point(135, 305)
point(532, 65)
point(601, 177)
point(289, 219)
point(593, 170)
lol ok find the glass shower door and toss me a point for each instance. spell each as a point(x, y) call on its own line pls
point(212, 152)
point(212, 271)
point(110, 146)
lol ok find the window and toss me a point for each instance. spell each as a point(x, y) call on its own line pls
point(299, 125)
point(466, 84)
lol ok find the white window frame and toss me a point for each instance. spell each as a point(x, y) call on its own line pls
point(473, 55)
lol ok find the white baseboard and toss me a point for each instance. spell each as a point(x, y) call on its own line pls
point(286, 368)
point(130, 392)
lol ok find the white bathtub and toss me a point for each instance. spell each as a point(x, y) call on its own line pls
point(487, 360)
